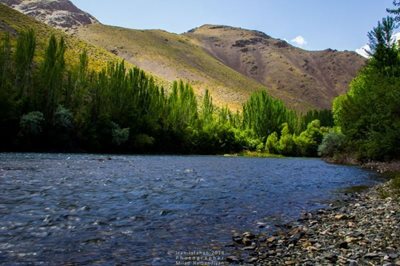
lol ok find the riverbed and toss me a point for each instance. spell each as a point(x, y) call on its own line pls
point(143, 210)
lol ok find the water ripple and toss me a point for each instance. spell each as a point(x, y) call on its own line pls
point(94, 209)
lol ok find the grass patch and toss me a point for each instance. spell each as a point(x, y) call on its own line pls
point(392, 189)
point(395, 185)
point(256, 154)
point(355, 189)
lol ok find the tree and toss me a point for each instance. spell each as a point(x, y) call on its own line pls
point(8, 107)
point(309, 140)
point(286, 145)
point(25, 51)
point(395, 10)
point(120, 109)
point(272, 143)
point(6, 89)
point(369, 114)
point(52, 76)
point(324, 116)
point(207, 108)
point(384, 50)
point(265, 115)
point(332, 144)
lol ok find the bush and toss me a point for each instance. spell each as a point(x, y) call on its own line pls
point(286, 145)
point(31, 124)
point(309, 140)
point(143, 141)
point(119, 135)
point(63, 118)
point(272, 143)
point(332, 144)
point(246, 139)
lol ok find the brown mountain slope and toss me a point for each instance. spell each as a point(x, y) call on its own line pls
point(230, 62)
point(311, 78)
point(165, 55)
point(171, 57)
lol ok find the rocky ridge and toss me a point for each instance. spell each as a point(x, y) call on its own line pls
point(61, 14)
point(311, 78)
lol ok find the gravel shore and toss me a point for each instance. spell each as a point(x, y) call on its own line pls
point(362, 230)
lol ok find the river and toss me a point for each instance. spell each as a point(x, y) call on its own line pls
point(58, 209)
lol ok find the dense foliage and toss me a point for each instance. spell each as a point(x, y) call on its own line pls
point(48, 104)
point(369, 114)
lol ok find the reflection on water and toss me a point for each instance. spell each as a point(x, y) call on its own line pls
point(94, 209)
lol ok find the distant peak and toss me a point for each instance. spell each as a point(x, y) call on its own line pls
point(211, 28)
point(62, 14)
point(207, 26)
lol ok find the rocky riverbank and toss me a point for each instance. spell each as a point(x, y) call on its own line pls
point(362, 230)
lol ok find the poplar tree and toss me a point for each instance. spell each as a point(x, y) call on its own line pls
point(24, 53)
point(6, 92)
point(52, 75)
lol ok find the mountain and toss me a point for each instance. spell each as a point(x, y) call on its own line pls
point(61, 14)
point(230, 62)
point(310, 77)
point(12, 22)
point(207, 55)
point(172, 57)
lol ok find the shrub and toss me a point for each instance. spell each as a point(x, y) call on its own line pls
point(286, 145)
point(31, 124)
point(119, 135)
point(332, 143)
point(309, 140)
point(272, 143)
point(142, 141)
point(63, 118)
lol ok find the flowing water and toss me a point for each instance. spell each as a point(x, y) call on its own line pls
point(58, 209)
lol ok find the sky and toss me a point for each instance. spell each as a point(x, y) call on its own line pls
point(309, 24)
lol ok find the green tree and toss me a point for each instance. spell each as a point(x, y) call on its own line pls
point(272, 143)
point(384, 50)
point(265, 115)
point(308, 141)
point(24, 53)
point(395, 10)
point(286, 145)
point(7, 108)
point(324, 116)
point(332, 144)
point(207, 109)
point(52, 76)
point(369, 113)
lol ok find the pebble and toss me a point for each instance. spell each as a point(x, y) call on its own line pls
point(232, 259)
point(362, 231)
point(252, 260)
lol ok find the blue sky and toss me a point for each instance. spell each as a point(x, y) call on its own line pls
point(318, 24)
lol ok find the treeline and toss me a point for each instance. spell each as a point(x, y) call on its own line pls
point(369, 114)
point(48, 104)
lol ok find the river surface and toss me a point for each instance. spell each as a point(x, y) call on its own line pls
point(59, 209)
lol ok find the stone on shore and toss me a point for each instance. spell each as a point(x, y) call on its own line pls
point(363, 231)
